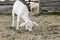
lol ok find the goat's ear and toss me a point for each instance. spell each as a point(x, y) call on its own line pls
point(35, 23)
point(22, 24)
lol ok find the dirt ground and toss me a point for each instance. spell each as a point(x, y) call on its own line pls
point(48, 28)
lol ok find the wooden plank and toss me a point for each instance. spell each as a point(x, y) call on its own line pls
point(7, 3)
point(50, 8)
point(3, 7)
point(51, 3)
point(50, 0)
point(53, 10)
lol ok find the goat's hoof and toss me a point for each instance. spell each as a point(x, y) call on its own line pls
point(26, 29)
point(17, 28)
point(30, 30)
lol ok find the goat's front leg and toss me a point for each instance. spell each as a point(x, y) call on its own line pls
point(13, 15)
point(30, 27)
point(18, 18)
point(26, 27)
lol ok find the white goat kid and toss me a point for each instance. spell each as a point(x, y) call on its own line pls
point(34, 5)
point(21, 11)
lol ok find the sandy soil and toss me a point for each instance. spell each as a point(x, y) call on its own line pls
point(48, 28)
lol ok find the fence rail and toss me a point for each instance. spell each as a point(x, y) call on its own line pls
point(11, 2)
point(49, 5)
point(6, 7)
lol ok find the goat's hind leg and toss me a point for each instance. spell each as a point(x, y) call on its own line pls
point(18, 19)
point(13, 17)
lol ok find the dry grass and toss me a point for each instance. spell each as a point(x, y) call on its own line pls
point(48, 29)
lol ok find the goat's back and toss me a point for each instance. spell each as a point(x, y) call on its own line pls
point(20, 8)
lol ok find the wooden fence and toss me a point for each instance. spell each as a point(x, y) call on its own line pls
point(50, 5)
point(45, 5)
point(6, 7)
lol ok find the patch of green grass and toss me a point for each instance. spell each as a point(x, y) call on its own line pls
point(37, 14)
point(52, 13)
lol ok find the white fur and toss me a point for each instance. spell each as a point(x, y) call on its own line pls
point(21, 11)
point(34, 5)
point(2, 0)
